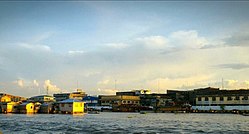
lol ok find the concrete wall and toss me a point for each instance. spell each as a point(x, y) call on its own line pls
point(75, 107)
point(219, 107)
point(218, 101)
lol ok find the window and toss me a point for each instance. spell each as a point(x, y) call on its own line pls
point(237, 98)
point(245, 98)
point(128, 102)
point(70, 105)
point(199, 98)
point(221, 99)
point(213, 98)
point(229, 98)
point(124, 102)
point(206, 98)
point(62, 105)
point(103, 101)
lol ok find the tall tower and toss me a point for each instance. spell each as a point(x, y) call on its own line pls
point(47, 90)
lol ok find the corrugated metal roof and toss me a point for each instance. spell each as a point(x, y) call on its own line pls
point(70, 101)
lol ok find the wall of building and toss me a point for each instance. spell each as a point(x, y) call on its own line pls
point(217, 100)
point(206, 108)
point(75, 107)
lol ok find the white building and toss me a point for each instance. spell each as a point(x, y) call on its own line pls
point(222, 102)
point(71, 106)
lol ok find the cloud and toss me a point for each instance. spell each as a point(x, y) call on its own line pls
point(117, 45)
point(20, 83)
point(41, 37)
point(179, 83)
point(137, 63)
point(236, 66)
point(51, 88)
point(35, 47)
point(187, 39)
point(107, 91)
point(104, 82)
point(35, 82)
point(235, 84)
point(76, 52)
point(240, 38)
point(153, 42)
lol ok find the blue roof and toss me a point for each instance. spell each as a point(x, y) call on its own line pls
point(90, 98)
point(69, 101)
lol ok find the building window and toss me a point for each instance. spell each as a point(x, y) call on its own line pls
point(229, 98)
point(237, 98)
point(245, 98)
point(206, 98)
point(221, 99)
point(62, 105)
point(124, 102)
point(213, 98)
point(70, 105)
point(199, 98)
point(128, 102)
point(103, 101)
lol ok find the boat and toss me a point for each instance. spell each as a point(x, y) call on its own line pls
point(93, 112)
point(245, 114)
point(143, 112)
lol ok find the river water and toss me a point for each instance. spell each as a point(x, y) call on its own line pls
point(109, 122)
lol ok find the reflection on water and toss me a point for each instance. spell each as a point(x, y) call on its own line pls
point(124, 123)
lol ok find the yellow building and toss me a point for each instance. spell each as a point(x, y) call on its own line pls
point(71, 106)
point(29, 107)
point(10, 107)
point(109, 100)
point(8, 98)
point(5, 99)
point(124, 103)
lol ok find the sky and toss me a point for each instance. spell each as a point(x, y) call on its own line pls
point(157, 45)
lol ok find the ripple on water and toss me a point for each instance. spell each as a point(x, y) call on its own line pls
point(120, 123)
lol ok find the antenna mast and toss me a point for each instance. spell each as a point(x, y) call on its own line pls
point(47, 90)
point(222, 86)
point(115, 84)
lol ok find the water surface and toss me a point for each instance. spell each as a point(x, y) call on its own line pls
point(109, 122)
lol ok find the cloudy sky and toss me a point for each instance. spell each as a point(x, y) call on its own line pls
point(152, 45)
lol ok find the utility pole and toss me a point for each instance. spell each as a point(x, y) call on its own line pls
point(222, 86)
point(47, 90)
point(158, 82)
point(115, 84)
point(77, 84)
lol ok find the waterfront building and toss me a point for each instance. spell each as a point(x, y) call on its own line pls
point(120, 102)
point(135, 92)
point(182, 97)
point(79, 95)
point(5, 99)
point(72, 106)
point(9, 107)
point(47, 108)
point(42, 99)
point(91, 103)
point(223, 100)
point(29, 107)
point(8, 98)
